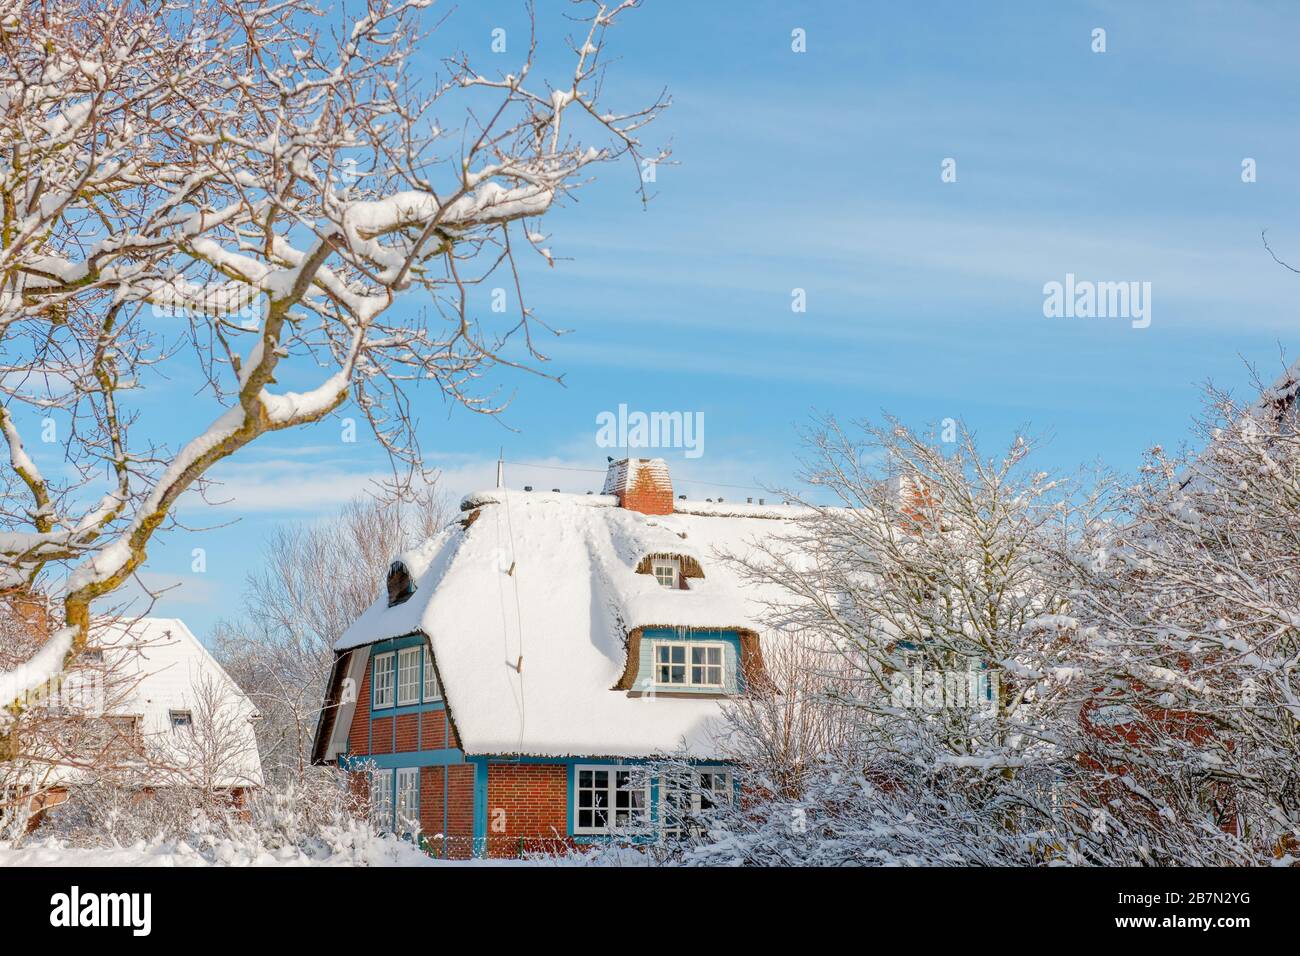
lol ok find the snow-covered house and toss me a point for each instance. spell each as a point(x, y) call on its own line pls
point(149, 707)
point(521, 664)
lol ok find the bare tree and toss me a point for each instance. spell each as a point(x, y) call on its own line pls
point(277, 188)
point(783, 728)
point(315, 581)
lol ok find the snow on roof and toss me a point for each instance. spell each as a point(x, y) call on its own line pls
point(551, 578)
point(164, 668)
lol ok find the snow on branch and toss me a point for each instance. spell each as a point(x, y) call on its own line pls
point(237, 186)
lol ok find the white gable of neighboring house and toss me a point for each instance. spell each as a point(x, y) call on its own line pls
point(162, 676)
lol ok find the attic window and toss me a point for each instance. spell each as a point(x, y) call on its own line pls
point(672, 571)
point(400, 585)
point(180, 719)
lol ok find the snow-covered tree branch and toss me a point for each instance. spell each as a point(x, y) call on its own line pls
point(287, 204)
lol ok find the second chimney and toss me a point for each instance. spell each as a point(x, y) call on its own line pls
point(641, 484)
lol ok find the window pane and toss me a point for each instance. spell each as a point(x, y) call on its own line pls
point(383, 681)
point(431, 689)
point(408, 675)
point(679, 653)
point(677, 674)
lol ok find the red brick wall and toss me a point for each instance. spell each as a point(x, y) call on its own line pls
point(434, 729)
point(433, 780)
point(527, 809)
point(359, 732)
point(408, 732)
point(381, 735)
point(460, 810)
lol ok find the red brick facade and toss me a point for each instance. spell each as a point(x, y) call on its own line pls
point(446, 792)
point(527, 808)
point(460, 810)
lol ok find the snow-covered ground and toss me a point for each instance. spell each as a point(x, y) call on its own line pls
point(225, 853)
point(375, 851)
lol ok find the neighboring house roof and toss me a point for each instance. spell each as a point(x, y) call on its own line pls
point(552, 579)
point(157, 667)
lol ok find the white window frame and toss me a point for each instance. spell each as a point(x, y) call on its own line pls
point(637, 824)
point(430, 679)
point(382, 695)
point(186, 714)
point(688, 664)
point(407, 819)
point(408, 690)
point(670, 564)
point(381, 798)
point(722, 789)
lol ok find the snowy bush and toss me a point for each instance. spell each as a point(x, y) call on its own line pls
point(311, 820)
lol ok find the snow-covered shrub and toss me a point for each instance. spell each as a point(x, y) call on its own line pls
point(940, 696)
point(1190, 604)
point(313, 819)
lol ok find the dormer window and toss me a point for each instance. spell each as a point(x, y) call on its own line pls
point(667, 573)
point(400, 585)
point(672, 571)
point(689, 664)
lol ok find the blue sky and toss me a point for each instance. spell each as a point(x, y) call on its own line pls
point(821, 171)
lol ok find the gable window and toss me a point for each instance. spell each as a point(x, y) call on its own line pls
point(381, 798)
point(382, 694)
point(408, 800)
point(686, 802)
point(408, 676)
point(432, 691)
point(683, 664)
point(400, 585)
point(666, 573)
point(609, 800)
point(180, 719)
point(124, 729)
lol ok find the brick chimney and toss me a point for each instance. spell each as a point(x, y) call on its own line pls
point(641, 484)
